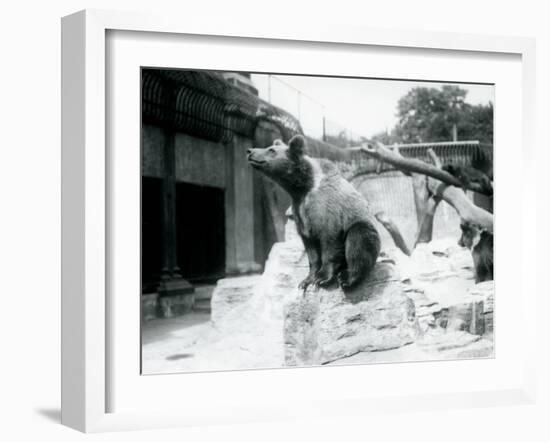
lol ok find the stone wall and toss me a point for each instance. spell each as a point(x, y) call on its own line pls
point(392, 193)
point(152, 151)
point(200, 161)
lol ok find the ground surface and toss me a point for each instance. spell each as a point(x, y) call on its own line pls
point(249, 335)
point(185, 344)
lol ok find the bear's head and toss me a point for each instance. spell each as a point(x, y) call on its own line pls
point(286, 165)
point(471, 235)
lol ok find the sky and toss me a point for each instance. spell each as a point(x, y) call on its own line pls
point(364, 106)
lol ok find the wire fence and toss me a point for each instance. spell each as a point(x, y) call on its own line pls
point(311, 113)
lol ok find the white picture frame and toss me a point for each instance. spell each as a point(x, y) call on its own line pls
point(86, 316)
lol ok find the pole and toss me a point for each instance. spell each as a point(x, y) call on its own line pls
point(299, 113)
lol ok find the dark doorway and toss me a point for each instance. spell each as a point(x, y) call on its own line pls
point(151, 233)
point(200, 227)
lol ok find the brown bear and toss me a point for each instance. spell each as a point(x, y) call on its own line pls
point(480, 243)
point(332, 217)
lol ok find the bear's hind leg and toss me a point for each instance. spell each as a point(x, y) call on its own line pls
point(332, 256)
point(362, 246)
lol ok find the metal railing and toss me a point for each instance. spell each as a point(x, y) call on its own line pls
point(310, 112)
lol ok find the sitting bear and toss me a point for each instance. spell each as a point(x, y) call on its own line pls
point(332, 218)
point(480, 243)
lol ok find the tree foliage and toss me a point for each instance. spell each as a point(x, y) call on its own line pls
point(428, 114)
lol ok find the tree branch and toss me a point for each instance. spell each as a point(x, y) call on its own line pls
point(458, 199)
point(466, 209)
point(382, 153)
point(435, 159)
point(426, 224)
point(440, 184)
point(426, 203)
point(394, 232)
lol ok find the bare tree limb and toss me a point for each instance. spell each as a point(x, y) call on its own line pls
point(426, 203)
point(426, 224)
point(467, 210)
point(435, 159)
point(421, 196)
point(394, 232)
point(382, 153)
point(439, 188)
point(456, 198)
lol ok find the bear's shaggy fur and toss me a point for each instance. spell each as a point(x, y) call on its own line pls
point(332, 218)
point(480, 243)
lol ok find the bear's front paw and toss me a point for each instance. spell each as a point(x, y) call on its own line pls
point(306, 282)
point(325, 282)
point(343, 279)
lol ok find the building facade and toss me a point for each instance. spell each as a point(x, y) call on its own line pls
point(206, 213)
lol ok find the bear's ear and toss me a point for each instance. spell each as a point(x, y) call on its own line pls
point(296, 146)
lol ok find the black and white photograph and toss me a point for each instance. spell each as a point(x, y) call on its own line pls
point(310, 220)
point(225, 221)
point(251, 222)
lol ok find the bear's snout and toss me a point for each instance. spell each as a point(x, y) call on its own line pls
point(254, 157)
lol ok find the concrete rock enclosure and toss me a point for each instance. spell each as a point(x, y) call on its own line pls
point(422, 307)
point(322, 326)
